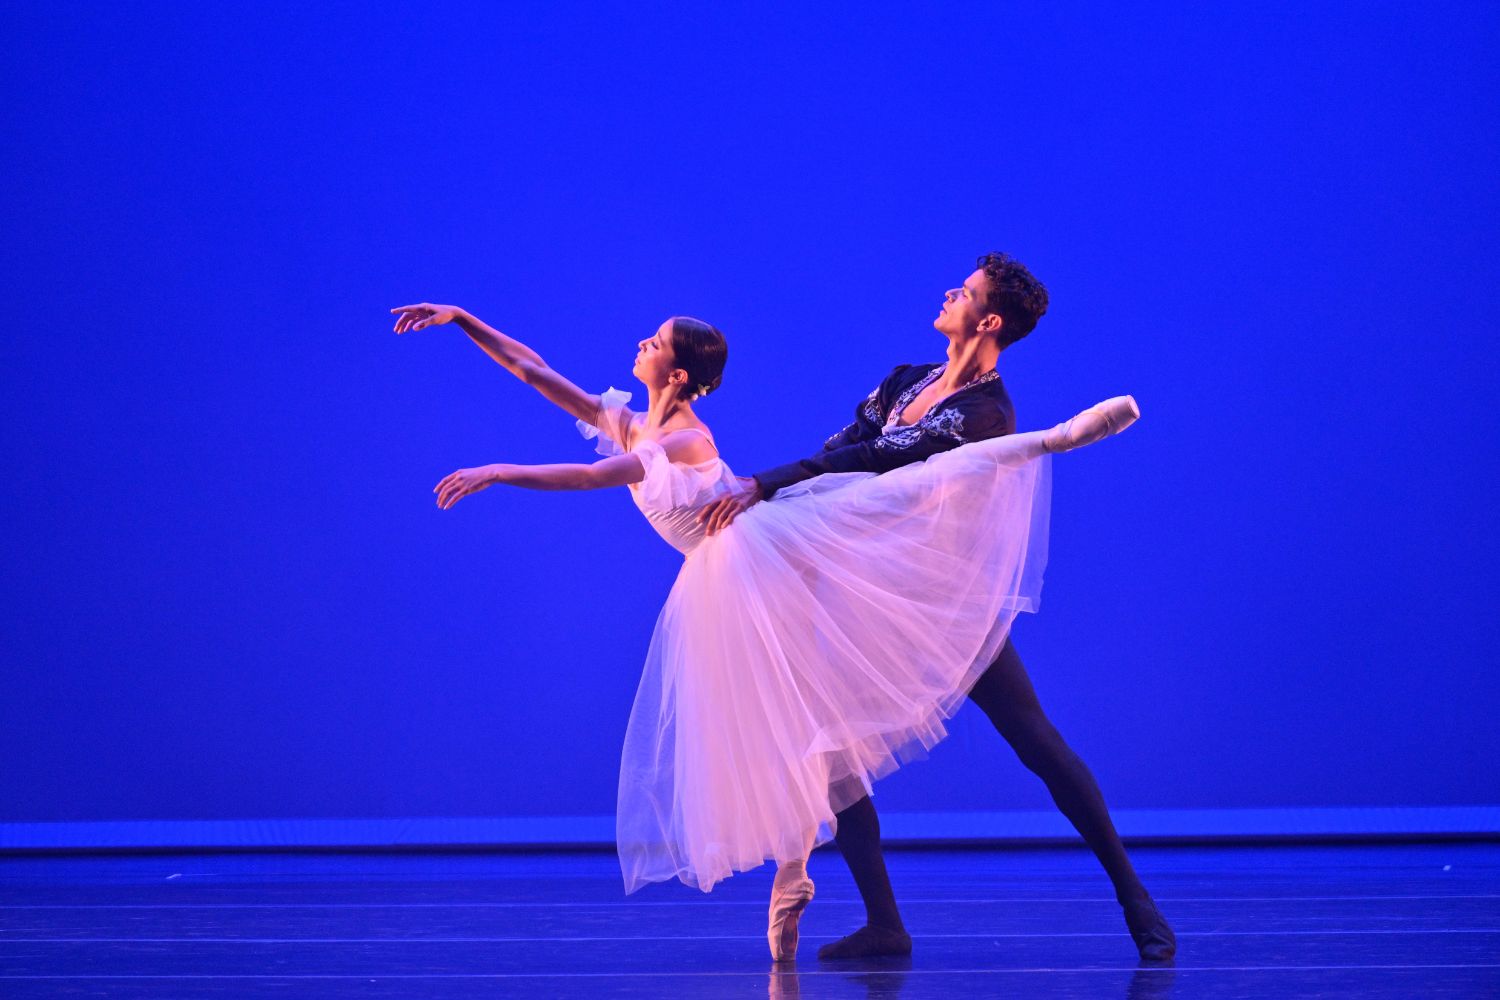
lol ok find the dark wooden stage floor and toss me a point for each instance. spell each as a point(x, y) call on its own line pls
point(1328, 921)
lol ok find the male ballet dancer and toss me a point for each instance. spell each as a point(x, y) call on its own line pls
point(916, 412)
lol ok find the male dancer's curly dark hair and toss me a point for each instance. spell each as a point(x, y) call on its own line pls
point(700, 350)
point(1015, 295)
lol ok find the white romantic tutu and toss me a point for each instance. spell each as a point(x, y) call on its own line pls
point(820, 640)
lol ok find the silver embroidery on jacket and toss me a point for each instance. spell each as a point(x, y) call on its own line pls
point(911, 394)
point(900, 440)
point(941, 419)
point(949, 423)
point(849, 431)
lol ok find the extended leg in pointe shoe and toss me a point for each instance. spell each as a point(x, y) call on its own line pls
point(1097, 422)
point(790, 894)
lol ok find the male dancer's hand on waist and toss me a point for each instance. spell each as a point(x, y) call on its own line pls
point(722, 511)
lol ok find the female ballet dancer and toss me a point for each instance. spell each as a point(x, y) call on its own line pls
point(803, 654)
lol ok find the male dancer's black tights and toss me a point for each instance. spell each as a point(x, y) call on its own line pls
point(1005, 694)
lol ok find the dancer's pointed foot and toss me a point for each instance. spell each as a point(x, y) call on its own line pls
point(789, 897)
point(1149, 930)
point(867, 942)
point(1099, 421)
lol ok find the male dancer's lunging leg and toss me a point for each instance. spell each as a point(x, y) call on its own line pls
point(1005, 694)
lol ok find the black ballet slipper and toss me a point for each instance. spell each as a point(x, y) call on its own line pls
point(867, 942)
point(1149, 930)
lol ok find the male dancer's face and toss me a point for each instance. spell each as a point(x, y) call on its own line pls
point(964, 312)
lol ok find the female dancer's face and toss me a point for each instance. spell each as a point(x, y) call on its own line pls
point(654, 360)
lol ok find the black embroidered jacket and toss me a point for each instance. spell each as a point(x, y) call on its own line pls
point(874, 442)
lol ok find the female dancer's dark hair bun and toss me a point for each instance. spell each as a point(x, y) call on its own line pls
point(700, 350)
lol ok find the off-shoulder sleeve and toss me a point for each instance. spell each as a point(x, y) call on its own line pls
point(614, 422)
point(668, 484)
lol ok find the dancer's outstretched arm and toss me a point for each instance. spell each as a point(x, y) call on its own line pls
point(512, 355)
point(615, 471)
point(618, 470)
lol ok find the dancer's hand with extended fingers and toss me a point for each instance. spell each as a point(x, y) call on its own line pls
point(457, 485)
point(414, 317)
point(719, 514)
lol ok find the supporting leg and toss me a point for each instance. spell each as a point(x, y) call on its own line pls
point(791, 891)
point(858, 838)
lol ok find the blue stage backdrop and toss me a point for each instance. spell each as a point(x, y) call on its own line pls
point(229, 597)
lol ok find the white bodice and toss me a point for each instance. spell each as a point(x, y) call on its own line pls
point(677, 522)
point(672, 493)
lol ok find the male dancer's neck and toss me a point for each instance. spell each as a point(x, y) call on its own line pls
point(969, 359)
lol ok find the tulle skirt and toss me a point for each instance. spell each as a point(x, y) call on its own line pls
point(815, 644)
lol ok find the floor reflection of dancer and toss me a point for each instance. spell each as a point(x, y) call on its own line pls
point(919, 411)
point(786, 673)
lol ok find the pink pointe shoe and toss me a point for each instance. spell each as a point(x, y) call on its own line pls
point(1097, 422)
point(787, 903)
